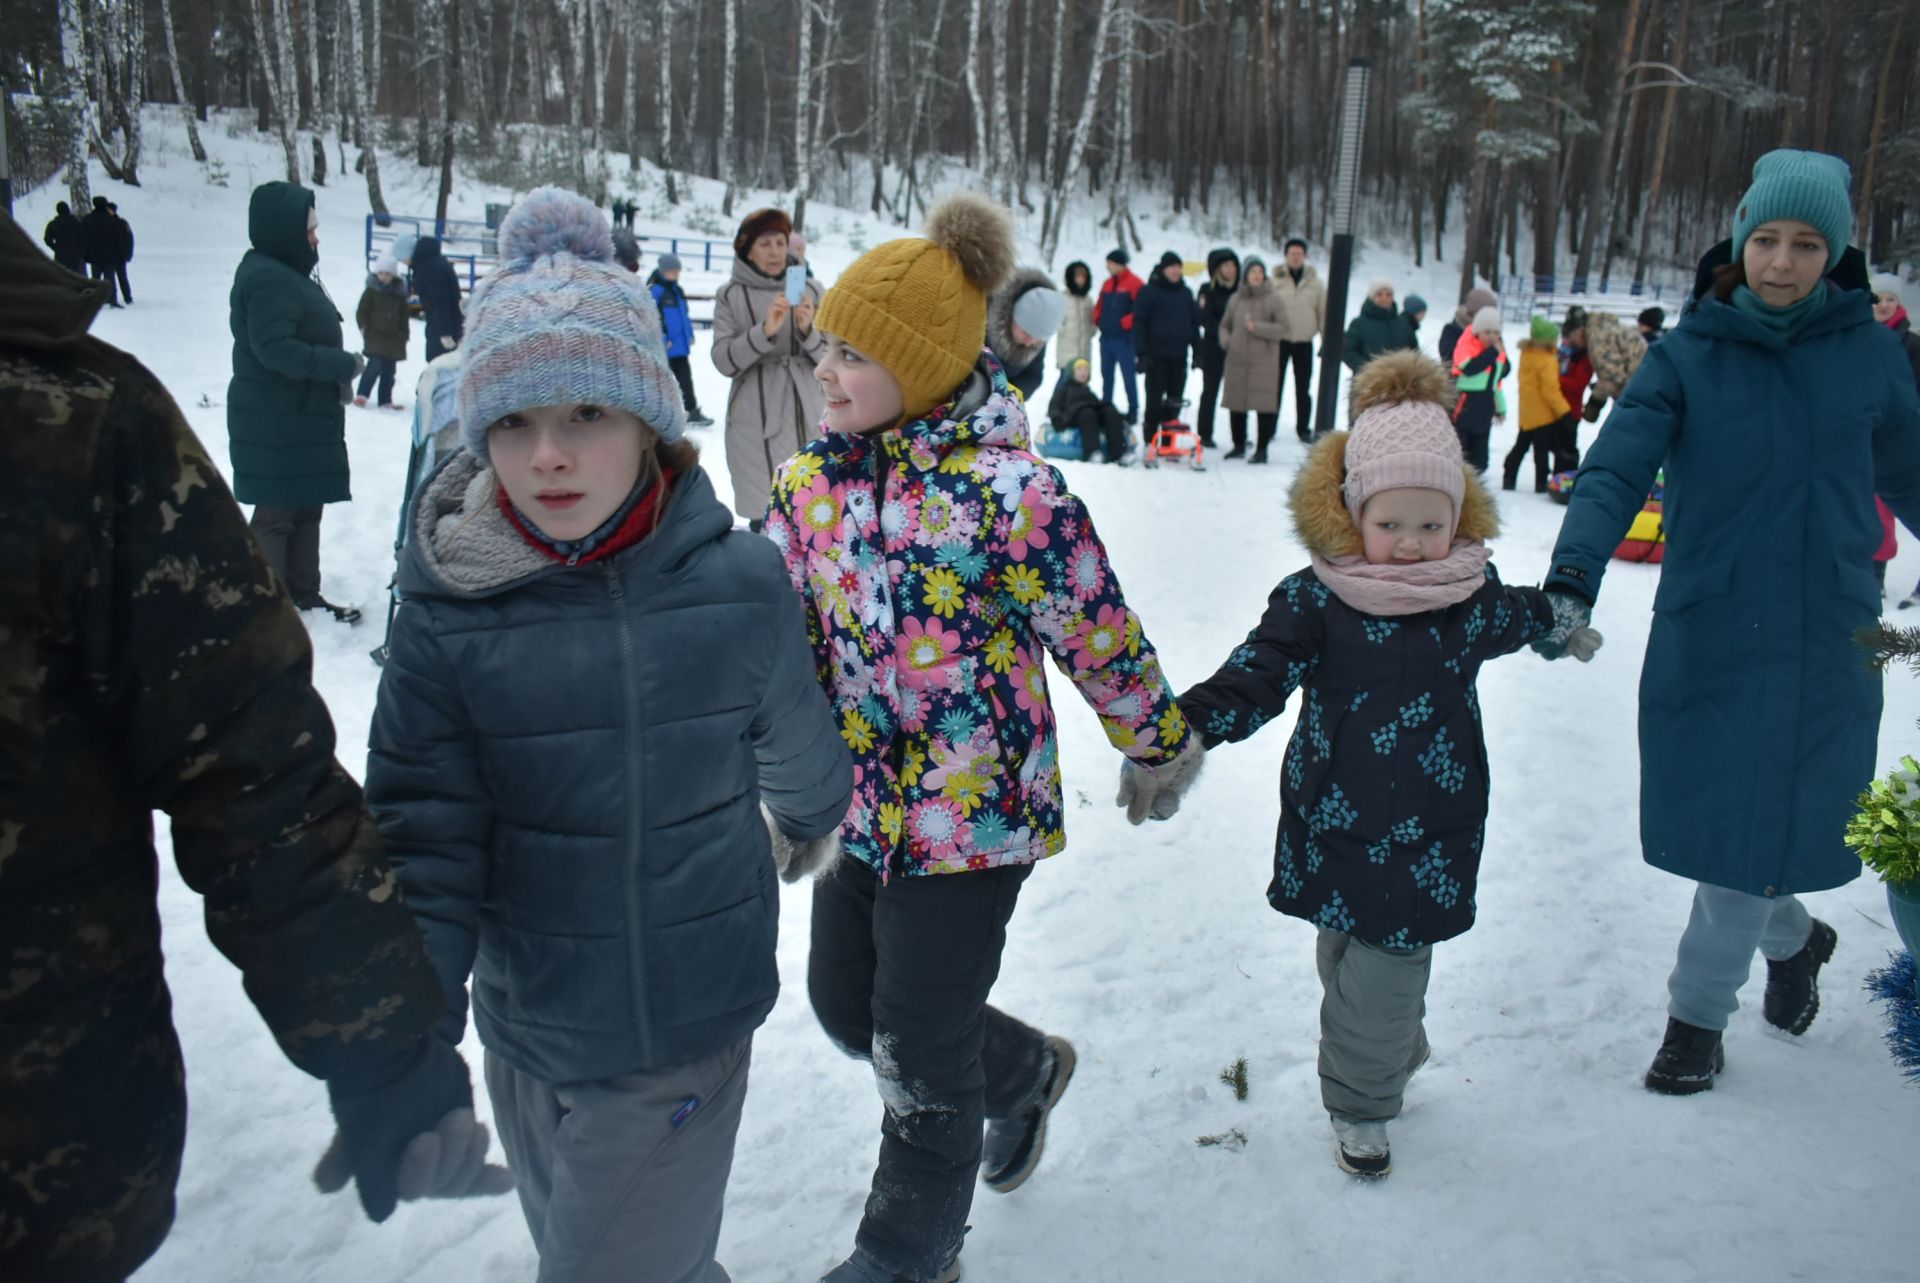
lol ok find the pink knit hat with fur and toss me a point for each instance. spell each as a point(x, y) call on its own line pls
point(1401, 435)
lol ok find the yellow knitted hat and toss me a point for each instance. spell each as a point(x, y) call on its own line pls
point(918, 305)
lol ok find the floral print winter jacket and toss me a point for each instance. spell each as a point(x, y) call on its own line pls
point(938, 562)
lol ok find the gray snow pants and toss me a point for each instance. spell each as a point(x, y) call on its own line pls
point(1716, 953)
point(623, 1179)
point(290, 540)
point(1371, 1035)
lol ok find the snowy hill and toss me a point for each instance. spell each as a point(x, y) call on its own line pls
point(1528, 1150)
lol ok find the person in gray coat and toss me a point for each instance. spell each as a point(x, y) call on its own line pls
point(598, 739)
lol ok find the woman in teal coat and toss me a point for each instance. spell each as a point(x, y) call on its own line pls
point(1778, 409)
point(286, 404)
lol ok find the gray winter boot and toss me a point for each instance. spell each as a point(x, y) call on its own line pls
point(861, 1268)
point(1014, 1143)
point(1360, 1148)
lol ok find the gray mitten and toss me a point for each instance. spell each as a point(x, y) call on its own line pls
point(1572, 632)
point(1156, 790)
point(795, 860)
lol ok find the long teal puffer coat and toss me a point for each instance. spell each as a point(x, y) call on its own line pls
point(286, 425)
point(1758, 714)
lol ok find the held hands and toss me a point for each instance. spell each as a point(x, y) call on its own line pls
point(795, 860)
point(1157, 790)
point(411, 1134)
point(1572, 632)
point(777, 316)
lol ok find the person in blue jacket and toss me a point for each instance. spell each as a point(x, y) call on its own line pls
point(598, 739)
point(1778, 409)
point(438, 290)
point(677, 321)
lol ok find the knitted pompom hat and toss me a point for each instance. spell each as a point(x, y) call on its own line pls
point(918, 305)
point(559, 322)
point(1805, 186)
point(1542, 330)
point(1401, 434)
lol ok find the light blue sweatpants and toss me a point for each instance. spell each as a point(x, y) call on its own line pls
point(1716, 953)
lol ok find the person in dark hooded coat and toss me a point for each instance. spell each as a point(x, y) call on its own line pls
point(66, 236)
point(1166, 332)
point(286, 416)
point(439, 292)
point(1223, 278)
point(1021, 316)
point(100, 241)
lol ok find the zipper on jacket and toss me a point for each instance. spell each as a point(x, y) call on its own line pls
point(636, 919)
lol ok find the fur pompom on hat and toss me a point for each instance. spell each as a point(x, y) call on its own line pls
point(757, 224)
point(1402, 435)
point(918, 305)
point(559, 322)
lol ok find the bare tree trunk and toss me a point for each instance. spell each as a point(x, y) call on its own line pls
point(1617, 192)
point(663, 37)
point(730, 45)
point(982, 156)
point(576, 104)
point(449, 71)
point(1055, 214)
point(802, 118)
point(1050, 152)
point(1863, 220)
point(74, 84)
point(1120, 205)
point(921, 64)
point(370, 151)
point(1597, 174)
point(180, 84)
point(309, 16)
point(274, 61)
point(1661, 143)
point(880, 119)
point(376, 53)
point(1002, 131)
point(631, 99)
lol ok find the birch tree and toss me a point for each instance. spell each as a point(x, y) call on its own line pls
point(880, 119)
point(663, 37)
point(370, 152)
point(1120, 188)
point(802, 118)
point(1002, 132)
point(982, 145)
point(730, 56)
point(275, 61)
point(77, 109)
point(1054, 214)
point(180, 84)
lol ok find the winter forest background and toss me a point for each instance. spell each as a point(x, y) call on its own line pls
point(1605, 137)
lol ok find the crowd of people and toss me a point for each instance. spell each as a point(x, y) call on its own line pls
point(611, 720)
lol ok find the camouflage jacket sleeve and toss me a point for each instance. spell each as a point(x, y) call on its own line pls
point(208, 670)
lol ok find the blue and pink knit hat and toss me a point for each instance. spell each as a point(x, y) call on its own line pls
point(560, 322)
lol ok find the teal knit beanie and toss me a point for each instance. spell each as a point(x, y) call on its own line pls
point(1544, 331)
point(559, 322)
point(1807, 186)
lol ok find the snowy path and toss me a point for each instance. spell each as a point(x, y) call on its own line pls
point(1528, 1150)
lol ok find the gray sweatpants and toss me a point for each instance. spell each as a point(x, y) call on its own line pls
point(1371, 1035)
point(623, 1179)
point(1716, 953)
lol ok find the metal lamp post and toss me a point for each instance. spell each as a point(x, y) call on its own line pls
point(1346, 189)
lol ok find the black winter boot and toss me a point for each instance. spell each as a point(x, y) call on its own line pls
point(1688, 1059)
point(1793, 999)
point(1014, 1144)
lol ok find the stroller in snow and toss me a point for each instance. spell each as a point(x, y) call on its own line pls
point(436, 432)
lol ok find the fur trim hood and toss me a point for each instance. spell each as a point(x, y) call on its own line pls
point(1014, 356)
point(1319, 505)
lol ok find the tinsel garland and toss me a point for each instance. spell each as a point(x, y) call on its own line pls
point(1894, 984)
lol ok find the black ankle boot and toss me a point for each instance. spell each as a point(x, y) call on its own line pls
point(1239, 451)
point(1793, 998)
point(1688, 1059)
point(1013, 1145)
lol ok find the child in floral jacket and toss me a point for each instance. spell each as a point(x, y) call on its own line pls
point(941, 564)
point(1384, 786)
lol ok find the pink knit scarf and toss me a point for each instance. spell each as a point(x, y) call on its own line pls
point(1406, 590)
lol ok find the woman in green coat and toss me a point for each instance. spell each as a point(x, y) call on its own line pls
point(286, 416)
point(1778, 408)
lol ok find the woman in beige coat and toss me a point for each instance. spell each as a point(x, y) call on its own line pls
point(1252, 330)
point(768, 349)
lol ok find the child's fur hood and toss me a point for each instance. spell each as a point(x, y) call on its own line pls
point(1320, 514)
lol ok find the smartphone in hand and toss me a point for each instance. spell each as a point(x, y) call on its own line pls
point(796, 284)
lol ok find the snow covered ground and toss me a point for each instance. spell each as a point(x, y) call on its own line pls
point(1528, 1150)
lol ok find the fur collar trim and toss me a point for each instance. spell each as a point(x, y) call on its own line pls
point(1013, 355)
point(1320, 508)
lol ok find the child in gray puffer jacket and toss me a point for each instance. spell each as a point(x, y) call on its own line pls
point(598, 738)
